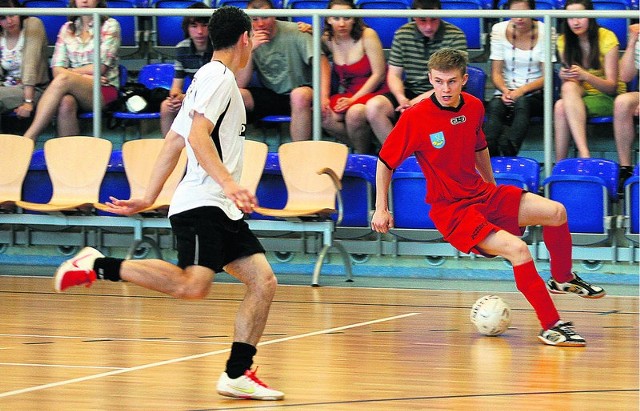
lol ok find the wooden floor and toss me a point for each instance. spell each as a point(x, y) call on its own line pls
point(116, 346)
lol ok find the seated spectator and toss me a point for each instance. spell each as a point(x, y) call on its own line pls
point(407, 76)
point(360, 67)
point(589, 75)
point(517, 71)
point(191, 53)
point(72, 65)
point(627, 105)
point(23, 58)
point(282, 57)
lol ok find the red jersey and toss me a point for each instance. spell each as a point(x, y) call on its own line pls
point(444, 141)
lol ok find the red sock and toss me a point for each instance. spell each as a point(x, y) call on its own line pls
point(534, 290)
point(558, 242)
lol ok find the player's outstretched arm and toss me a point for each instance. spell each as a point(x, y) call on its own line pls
point(164, 166)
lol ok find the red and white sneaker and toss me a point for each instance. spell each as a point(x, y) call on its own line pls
point(77, 270)
point(248, 387)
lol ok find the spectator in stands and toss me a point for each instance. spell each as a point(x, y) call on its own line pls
point(589, 75)
point(23, 58)
point(517, 71)
point(360, 68)
point(282, 58)
point(407, 77)
point(72, 65)
point(627, 105)
point(191, 53)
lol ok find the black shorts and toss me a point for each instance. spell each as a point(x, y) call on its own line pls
point(205, 236)
point(267, 103)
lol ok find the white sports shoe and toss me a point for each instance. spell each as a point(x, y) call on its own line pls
point(248, 387)
point(77, 270)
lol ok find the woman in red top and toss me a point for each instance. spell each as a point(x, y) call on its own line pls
point(359, 65)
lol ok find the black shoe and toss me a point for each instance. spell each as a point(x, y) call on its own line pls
point(576, 286)
point(562, 335)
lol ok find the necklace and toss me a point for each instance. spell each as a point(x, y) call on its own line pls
point(513, 54)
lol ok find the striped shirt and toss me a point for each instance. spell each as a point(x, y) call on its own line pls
point(189, 60)
point(411, 50)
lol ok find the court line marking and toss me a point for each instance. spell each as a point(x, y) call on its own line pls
point(111, 339)
point(196, 356)
point(26, 364)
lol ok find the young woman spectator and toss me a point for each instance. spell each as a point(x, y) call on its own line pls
point(360, 67)
point(627, 106)
point(517, 67)
point(23, 59)
point(72, 65)
point(589, 55)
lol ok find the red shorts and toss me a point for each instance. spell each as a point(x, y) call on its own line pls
point(467, 222)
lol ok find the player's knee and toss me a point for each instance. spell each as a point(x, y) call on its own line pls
point(519, 253)
point(192, 290)
point(559, 214)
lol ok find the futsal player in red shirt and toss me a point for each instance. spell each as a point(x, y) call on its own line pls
point(445, 133)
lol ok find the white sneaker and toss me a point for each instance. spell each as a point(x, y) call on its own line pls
point(77, 270)
point(248, 387)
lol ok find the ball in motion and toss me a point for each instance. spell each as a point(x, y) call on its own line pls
point(491, 315)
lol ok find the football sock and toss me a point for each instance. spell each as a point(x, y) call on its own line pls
point(558, 242)
point(108, 268)
point(240, 359)
point(535, 291)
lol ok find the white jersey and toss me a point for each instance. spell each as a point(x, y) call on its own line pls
point(214, 94)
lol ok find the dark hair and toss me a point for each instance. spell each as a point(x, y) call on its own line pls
point(102, 4)
point(426, 5)
point(227, 25)
point(447, 59)
point(12, 3)
point(572, 51)
point(258, 4)
point(358, 23)
point(188, 20)
point(530, 3)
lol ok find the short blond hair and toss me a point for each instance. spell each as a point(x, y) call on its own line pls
point(448, 59)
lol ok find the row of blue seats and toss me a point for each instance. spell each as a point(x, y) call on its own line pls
point(587, 188)
point(385, 26)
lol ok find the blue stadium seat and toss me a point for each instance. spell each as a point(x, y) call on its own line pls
point(238, 3)
point(472, 27)
point(115, 183)
point(477, 82)
point(358, 181)
point(522, 172)
point(632, 205)
point(158, 75)
point(128, 24)
point(385, 26)
point(619, 26)
point(306, 4)
point(52, 24)
point(408, 193)
point(586, 187)
point(168, 29)
point(271, 191)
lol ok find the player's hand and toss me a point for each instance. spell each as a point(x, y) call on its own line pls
point(381, 221)
point(241, 197)
point(126, 207)
point(342, 104)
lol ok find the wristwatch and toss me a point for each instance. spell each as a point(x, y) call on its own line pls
point(28, 100)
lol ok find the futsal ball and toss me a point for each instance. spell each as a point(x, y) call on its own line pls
point(491, 315)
